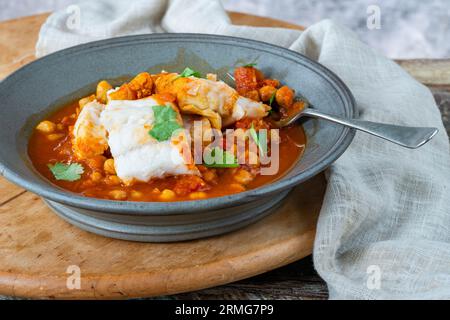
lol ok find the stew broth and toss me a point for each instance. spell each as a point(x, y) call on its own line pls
point(43, 151)
point(82, 146)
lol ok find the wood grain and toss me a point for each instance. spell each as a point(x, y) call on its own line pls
point(37, 247)
point(430, 72)
point(17, 41)
point(257, 21)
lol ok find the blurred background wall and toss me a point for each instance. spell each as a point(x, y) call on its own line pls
point(408, 29)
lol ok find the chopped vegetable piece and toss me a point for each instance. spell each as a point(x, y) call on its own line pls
point(46, 127)
point(67, 172)
point(226, 159)
point(247, 79)
point(165, 123)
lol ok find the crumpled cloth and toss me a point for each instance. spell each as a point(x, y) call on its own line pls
point(384, 227)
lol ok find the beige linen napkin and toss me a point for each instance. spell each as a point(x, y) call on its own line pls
point(384, 228)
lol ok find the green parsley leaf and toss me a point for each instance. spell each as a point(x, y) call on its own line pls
point(165, 123)
point(163, 131)
point(67, 172)
point(188, 72)
point(272, 98)
point(164, 114)
point(250, 65)
point(226, 159)
point(260, 139)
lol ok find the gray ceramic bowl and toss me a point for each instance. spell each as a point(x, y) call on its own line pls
point(30, 93)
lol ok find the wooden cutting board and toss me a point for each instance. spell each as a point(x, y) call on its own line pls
point(40, 253)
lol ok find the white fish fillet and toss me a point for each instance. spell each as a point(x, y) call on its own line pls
point(89, 135)
point(137, 155)
point(243, 108)
point(216, 100)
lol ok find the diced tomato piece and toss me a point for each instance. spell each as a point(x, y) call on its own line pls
point(186, 184)
point(247, 79)
point(247, 123)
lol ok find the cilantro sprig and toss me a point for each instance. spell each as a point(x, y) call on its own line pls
point(66, 172)
point(188, 72)
point(272, 98)
point(226, 159)
point(165, 123)
point(260, 139)
point(250, 65)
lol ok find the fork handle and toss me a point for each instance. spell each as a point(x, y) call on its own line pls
point(409, 137)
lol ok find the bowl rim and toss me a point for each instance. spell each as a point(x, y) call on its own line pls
point(55, 193)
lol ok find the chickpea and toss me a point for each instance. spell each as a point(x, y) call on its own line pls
point(96, 176)
point(118, 194)
point(112, 180)
point(197, 195)
point(167, 195)
point(285, 97)
point(55, 136)
point(253, 95)
point(271, 82)
point(236, 187)
point(243, 176)
point(266, 93)
point(60, 127)
point(136, 194)
point(46, 127)
point(96, 162)
point(298, 106)
point(211, 76)
point(108, 166)
point(84, 101)
point(102, 88)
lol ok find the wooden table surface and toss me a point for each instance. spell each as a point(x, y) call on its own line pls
point(294, 281)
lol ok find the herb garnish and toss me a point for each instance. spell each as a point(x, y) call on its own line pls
point(67, 172)
point(226, 159)
point(250, 65)
point(272, 98)
point(165, 123)
point(188, 72)
point(260, 139)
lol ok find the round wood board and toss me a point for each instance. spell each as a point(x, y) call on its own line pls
point(41, 254)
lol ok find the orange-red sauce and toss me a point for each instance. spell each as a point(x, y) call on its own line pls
point(43, 151)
